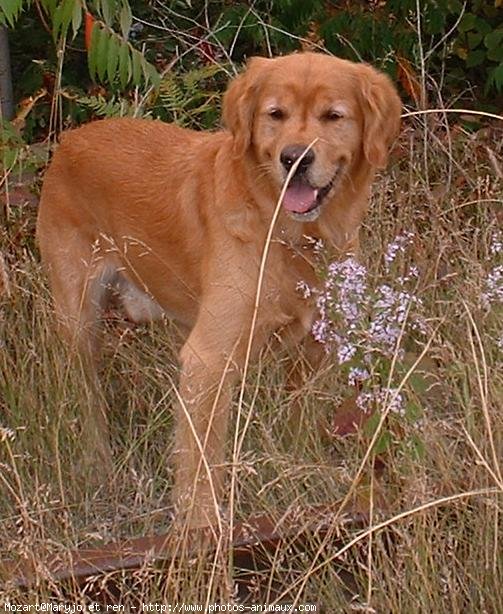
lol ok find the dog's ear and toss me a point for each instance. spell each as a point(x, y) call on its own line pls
point(240, 102)
point(381, 108)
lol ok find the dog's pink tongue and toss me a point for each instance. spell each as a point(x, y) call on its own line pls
point(299, 197)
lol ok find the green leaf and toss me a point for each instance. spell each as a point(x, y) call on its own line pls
point(467, 22)
point(482, 26)
point(76, 18)
point(126, 19)
point(100, 106)
point(108, 10)
point(113, 59)
point(413, 411)
point(101, 54)
point(435, 19)
point(9, 157)
point(418, 383)
point(49, 6)
point(370, 426)
point(418, 447)
point(494, 39)
point(496, 54)
point(151, 74)
point(475, 58)
point(124, 65)
point(11, 145)
point(495, 79)
point(455, 6)
point(62, 18)
point(93, 50)
point(474, 39)
point(137, 66)
point(383, 442)
point(9, 11)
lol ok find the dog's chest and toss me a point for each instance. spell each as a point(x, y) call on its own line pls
point(291, 281)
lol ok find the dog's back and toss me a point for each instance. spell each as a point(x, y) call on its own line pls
point(120, 207)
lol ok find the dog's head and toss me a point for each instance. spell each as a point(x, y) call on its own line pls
point(321, 113)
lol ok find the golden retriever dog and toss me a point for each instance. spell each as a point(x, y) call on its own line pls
point(175, 221)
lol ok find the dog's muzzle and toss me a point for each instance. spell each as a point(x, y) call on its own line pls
point(302, 201)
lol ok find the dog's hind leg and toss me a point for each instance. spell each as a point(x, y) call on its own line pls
point(307, 358)
point(81, 285)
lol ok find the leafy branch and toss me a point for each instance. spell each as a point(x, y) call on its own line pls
point(111, 57)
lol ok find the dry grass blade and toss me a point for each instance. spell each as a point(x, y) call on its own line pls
point(482, 381)
point(238, 440)
point(382, 525)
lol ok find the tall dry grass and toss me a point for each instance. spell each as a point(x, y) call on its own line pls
point(435, 531)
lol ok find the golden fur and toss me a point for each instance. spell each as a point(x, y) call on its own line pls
point(175, 221)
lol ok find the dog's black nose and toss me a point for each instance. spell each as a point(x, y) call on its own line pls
point(292, 153)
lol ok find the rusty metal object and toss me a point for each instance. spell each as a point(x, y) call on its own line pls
point(252, 539)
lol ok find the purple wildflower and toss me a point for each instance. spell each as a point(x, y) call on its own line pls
point(346, 284)
point(413, 271)
point(398, 245)
point(384, 398)
point(320, 330)
point(341, 304)
point(363, 324)
point(318, 246)
point(365, 401)
point(350, 315)
point(496, 245)
point(357, 375)
point(345, 352)
point(391, 307)
point(304, 289)
point(493, 287)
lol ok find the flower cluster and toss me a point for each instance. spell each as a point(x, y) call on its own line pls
point(493, 291)
point(341, 305)
point(365, 325)
point(357, 375)
point(400, 244)
point(390, 398)
point(304, 289)
point(496, 245)
point(350, 316)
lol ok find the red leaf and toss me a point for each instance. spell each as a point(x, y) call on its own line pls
point(89, 23)
point(348, 418)
point(408, 79)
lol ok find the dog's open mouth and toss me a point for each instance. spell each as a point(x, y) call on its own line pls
point(302, 201)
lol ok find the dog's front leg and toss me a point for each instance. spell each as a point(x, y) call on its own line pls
point(205, 393)
point(212, 360)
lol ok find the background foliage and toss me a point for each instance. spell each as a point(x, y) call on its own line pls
point(115, 52)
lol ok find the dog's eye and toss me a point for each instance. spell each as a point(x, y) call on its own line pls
point(331, 115)
point(276, 113)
